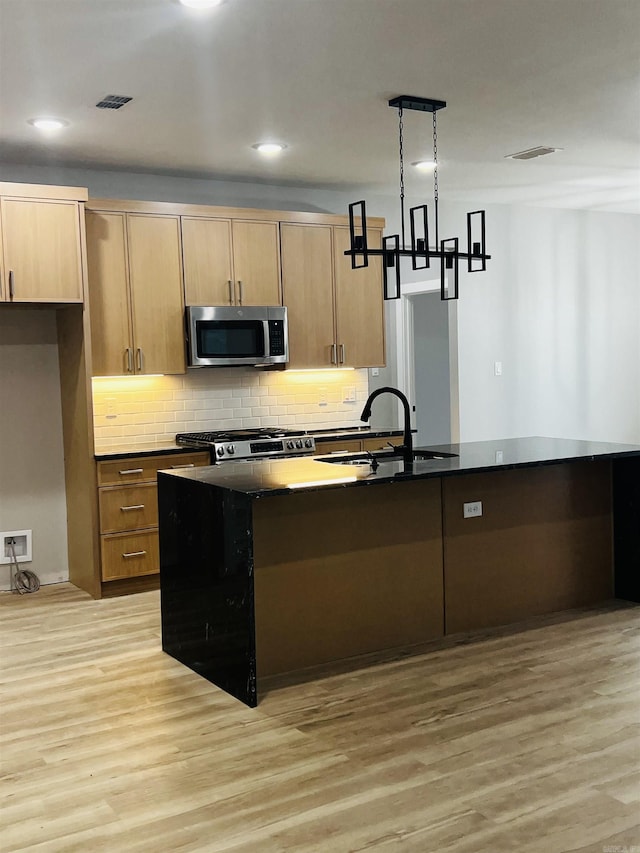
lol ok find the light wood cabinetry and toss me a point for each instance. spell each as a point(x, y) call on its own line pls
point(42, 243)
point(231, 262)
point(336, 314)
point(356, 445)
point(359, 304)
point(128, 509)
point(135, 281)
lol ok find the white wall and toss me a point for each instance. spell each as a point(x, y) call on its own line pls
point(32, 490)
point(559, 306)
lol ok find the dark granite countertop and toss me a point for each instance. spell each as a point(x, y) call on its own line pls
point(129, 450)
point(271, 477)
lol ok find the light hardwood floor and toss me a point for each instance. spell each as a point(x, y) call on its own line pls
point(523, 741)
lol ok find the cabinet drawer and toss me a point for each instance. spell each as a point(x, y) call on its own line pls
point(350, 446)
point(128, 555)
point(128, 507)
point(141, 468)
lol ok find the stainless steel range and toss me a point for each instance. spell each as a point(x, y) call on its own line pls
point(246, 444)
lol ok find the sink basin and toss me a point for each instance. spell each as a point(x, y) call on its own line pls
point(382, 456)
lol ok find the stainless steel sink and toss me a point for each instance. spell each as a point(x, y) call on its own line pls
point(382, 456)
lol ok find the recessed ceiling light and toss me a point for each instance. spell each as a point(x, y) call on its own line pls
point(200, 4)
point(425, 165)
point(269, 147)
point(48, 123)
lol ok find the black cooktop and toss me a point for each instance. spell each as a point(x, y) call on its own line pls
point(237, 434)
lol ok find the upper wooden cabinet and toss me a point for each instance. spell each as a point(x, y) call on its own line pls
point(336, 315)
point(230, 262)
point(42, 243)
point(359, 304)
point(135, 288)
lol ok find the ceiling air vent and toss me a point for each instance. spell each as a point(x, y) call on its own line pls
point(113, 102)
point(530, 153)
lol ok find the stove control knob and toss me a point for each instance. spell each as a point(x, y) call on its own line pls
point(220, 451)
point(308, 442)
point(230, 449)
point(290, 445)
point(299, 443)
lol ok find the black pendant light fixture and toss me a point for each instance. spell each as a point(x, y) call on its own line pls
point(420, 251)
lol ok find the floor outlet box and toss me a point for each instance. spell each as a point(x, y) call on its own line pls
point(21, 544)
point(473, 509)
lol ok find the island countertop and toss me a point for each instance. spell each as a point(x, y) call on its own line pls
point(276, 477)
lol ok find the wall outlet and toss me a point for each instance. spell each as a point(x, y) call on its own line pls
point(349, 394)
point(322, 396)
point(473, 509)
point(22, 546)
point(497, 368)
point(375, 371)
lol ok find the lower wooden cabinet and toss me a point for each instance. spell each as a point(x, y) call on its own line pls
point(355, 445)
point(128, 506)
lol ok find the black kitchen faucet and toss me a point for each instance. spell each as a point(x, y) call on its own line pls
point(407, 446)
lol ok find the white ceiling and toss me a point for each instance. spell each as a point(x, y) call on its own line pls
point(317, 74)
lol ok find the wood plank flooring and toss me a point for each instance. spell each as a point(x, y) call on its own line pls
point(523, 741)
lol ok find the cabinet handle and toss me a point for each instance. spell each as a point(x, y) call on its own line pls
point(135, 554)
point(132, 471)
point(230, 292)
point(140, 360)
point(240, 292)
point(342, 352)
point(129, 508)
point(129, 353)
point(186, 465)
point(334, 354)
point(10, 284)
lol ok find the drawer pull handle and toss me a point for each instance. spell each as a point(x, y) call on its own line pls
point(135, 554)
point(129, 508)
point(132, 471)
point(186, 465)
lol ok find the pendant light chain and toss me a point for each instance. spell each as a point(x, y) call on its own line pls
point(435, 176)
point(401, 139)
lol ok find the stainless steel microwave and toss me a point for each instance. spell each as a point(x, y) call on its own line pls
point(222, 336)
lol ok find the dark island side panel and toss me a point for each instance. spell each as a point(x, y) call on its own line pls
point(543, 543)
point(343, 572)
point(626, 502)
point(206, 582)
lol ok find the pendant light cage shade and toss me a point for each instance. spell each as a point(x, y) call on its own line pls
point(446, 251)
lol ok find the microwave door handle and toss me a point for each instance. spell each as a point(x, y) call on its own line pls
point(230, 292)
point(240, 292)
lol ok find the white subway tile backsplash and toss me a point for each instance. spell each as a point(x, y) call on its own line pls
point(155, 409)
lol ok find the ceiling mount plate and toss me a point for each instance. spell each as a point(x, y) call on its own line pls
point(425, 105)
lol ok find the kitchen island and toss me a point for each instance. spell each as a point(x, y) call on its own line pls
point(275, 566)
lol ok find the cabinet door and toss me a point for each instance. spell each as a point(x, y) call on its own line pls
point(256, 262)
point(307, 289)
point(42, 250)
point(111, 333)
point(155, 277)
point(206, 250)
point(359, 305)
